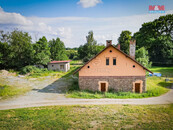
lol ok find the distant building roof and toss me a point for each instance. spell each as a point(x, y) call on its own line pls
point(64, 61)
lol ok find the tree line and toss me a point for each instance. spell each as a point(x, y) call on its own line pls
point(17, 50)
point(154, 44)
point(156, 39)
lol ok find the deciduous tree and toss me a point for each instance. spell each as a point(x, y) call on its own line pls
point(21, 51)
point(142, 57)
point(42, 51)
point(157, 38)
point(57, 49)
point(124, 40)
point(89, 49)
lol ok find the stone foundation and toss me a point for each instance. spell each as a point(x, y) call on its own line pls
point(115, 83)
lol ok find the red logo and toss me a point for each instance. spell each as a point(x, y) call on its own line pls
point(156, 7)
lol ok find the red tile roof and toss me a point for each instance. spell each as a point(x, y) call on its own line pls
point(65, 61)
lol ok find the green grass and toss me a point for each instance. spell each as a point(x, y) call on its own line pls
point(46, 73)
point(10, 91)
point(56, 74)
point(165, 71)
point(89, 117)
point(76, 62)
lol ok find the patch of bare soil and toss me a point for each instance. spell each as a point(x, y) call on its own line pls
point(6, 73)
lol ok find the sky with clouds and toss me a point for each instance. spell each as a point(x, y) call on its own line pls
point(72, 19)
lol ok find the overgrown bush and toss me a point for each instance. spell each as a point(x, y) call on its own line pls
point(31, 69)
point(75, 58)
point(74, 86)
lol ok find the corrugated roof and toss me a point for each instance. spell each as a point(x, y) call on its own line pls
point(119, 51)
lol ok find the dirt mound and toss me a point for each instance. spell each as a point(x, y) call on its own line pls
point(6, 73)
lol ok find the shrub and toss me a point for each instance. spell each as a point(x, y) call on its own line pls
point(75, 58)
point(74, 86)
point(30, 69)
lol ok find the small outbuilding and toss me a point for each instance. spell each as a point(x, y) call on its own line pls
point(59, 65)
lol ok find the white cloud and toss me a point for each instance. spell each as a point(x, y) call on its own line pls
point(89, 3)
point(13, 18)
point(101, 38)
point(73, 30)
point(1, 9)
point(65, 33)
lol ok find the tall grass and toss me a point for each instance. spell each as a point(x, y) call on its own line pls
point(57, 74)
point(9, 91)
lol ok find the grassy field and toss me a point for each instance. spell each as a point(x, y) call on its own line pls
point(89, 117)
point(76, 62)
point(55, 74)
point(165, 71)
point(156, 86)
point(10, 91)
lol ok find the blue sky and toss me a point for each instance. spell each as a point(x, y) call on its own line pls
point(72, 19)
point(66, 8)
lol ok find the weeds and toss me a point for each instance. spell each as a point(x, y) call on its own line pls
point(9, 91)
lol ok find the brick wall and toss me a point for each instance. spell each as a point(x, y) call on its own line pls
point(116, 83)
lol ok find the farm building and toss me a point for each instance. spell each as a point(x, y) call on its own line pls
point(112, 69)
point(59, 65)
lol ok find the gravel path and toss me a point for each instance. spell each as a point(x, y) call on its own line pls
point(51, 92)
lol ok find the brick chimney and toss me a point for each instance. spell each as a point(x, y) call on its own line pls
point(108, 42)
point(118, 47)
point(132, 48)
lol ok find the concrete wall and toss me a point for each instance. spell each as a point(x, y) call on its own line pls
point(115, 83)
point(57, 66)
point(123, 67)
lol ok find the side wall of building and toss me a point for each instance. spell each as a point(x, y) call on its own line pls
point(57, 66)
point(124, 65)
point(114, 83)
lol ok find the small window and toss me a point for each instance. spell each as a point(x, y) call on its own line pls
point(61, 66)
point(110, 51)
point(133, 66)
point(52, 65)
point(107, 61)
point(88, 66)
point(114, 61)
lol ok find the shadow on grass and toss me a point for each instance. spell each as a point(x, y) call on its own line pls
point(61, 85)
point(166, 84)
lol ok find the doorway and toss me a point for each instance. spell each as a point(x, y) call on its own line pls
point(103, 87)
point(137, 87)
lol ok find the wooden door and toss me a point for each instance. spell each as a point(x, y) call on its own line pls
point(137, 87)
point(103, 87)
